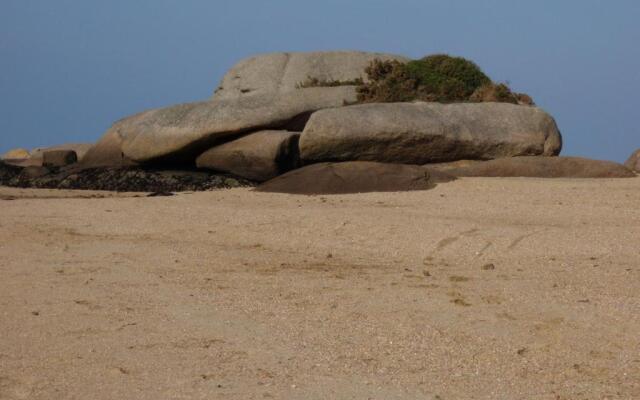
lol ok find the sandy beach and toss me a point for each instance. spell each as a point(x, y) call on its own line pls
point(482, 288)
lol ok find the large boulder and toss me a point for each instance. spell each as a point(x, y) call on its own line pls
point(273, 91)
point(259, 156)
point(535, 167)
point(633, 163)
point(284, 72)
point(186, 130)
point(350, 177)
point(419, 133)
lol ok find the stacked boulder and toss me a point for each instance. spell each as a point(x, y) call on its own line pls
point(278, 112)
point(421, 133)
point(263, 93)
point(258, 156)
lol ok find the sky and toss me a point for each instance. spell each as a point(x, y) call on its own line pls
point(70, 68)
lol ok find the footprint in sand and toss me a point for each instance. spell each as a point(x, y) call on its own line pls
point(450, 240)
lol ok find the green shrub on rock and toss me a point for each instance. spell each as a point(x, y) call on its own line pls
point(447, 78)
point(436, 78)
point(389, 82)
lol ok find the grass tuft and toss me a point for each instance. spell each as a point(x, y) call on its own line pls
point(315, 82)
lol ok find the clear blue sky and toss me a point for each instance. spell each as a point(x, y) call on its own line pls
point(69, 68)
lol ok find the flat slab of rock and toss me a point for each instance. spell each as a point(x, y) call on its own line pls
point(186, 130)
point(535, 167)
point(282, 72)
point(419, 133)
point(350, 177)
point(633, 163)
point(259, 156)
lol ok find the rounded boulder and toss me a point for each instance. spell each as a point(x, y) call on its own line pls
point(259, 156)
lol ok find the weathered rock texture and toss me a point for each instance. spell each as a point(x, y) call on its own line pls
point(350, 177)
point(284, 72)
point(538, 167)
point(259, 156)
point(419, 133)
point(633, 163)
point(186, 130)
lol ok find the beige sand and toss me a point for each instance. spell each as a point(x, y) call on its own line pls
point(243, 295)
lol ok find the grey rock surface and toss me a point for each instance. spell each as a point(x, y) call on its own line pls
point(189, 129)
point(419, 133)
point(283, 72)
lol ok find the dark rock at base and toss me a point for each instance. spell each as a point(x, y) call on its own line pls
point(350, 177)
point(8, 172)
point(34, 171)
point(535, 167)
point(124, 179)
point(59, 158)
